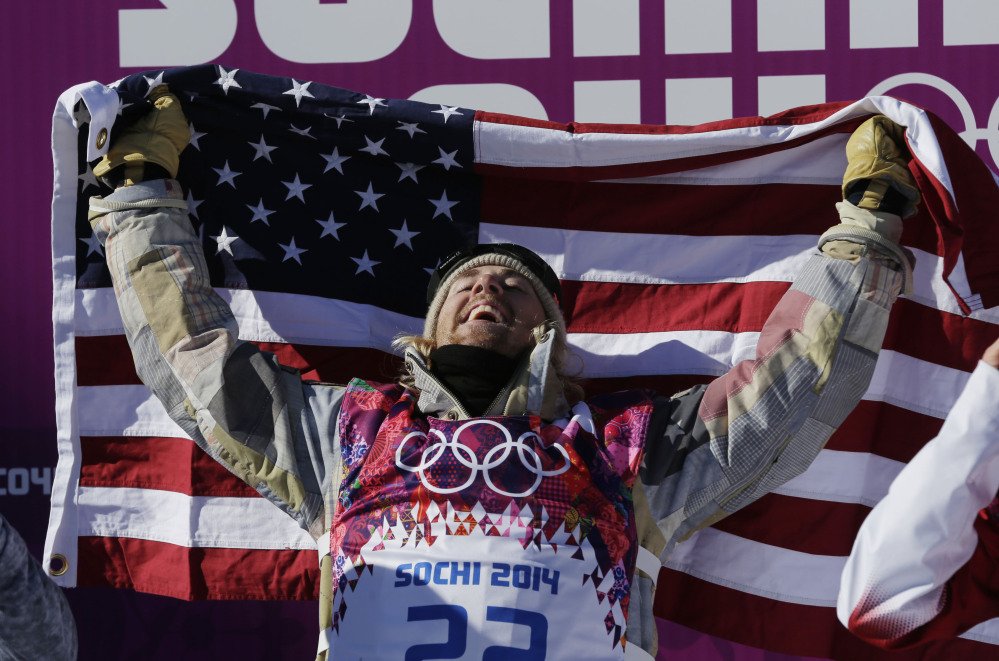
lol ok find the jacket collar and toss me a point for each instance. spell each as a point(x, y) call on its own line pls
point(534, 388)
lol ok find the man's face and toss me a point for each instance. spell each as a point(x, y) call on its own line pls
point(490, 307)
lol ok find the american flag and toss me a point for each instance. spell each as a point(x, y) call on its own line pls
point(322, 212)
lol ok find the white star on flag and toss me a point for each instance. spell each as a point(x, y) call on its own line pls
point(403, 236)
point(291, 251)
point(260, 212)
point(93, 245)
point(224, 241)
point(443, 206)
point(296, 188)
point(195, 136)
point(265, 108)
point(307, 131)
point(262, 149)
point(365, 264)
point(409, 171)
point(373, 148)
point(192, 205)
point(227, 79)
point(299, 90)
point(339, 120)
point(372, 102)
point(227, 176)
point(369, 198)
point(447, 111)
point(334, 161)
point(447, 160)
point(409, 127)
point(153, 82)
point(89, 178)
point(330, 227)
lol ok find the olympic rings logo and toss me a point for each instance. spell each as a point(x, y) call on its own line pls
point(971, 133)
point(529, 458)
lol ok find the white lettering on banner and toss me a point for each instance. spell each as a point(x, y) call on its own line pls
point(184, 32)
point(310, 32)
point(608, 101)
point(602, 28)
point(18, 481)
point(530, 460)
point(495, 29)
point(970, 22)
point(698, 27)
point(868, 19)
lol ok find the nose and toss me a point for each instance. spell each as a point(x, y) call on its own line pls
point(488, 283)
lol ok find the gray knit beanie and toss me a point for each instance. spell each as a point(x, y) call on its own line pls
point(506, 255)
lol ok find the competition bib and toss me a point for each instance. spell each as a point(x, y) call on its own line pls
point(487, 539)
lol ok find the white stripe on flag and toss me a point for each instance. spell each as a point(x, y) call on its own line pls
point(844, 477)
point(760, 569)
point(289, 318)
point(926, 387)
point(176, 518)
point(640, 258)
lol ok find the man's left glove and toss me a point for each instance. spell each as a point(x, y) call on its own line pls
point(877, 174)
point(149, 148)
point(878, 191)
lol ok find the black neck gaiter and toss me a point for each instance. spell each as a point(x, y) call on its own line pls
point(475, 375)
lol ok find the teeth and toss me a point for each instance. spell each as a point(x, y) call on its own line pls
point(486, 310)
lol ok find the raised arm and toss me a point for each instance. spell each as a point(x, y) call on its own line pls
point(717, 448)
point(923, 565)
point(235, 401)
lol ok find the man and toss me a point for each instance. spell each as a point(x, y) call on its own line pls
point(480, 508)
point(923, 566)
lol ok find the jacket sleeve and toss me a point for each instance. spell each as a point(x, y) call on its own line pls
point(235, 401)
point(36, 622)
point(716, 448)
point(923, 565)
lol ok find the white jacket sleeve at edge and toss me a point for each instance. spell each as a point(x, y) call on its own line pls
point(922, 531)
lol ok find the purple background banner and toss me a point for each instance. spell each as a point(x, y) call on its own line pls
point(648, 61)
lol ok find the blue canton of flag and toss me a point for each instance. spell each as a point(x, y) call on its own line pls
point(336, 194)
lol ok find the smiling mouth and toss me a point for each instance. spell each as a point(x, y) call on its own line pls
point(486, 312)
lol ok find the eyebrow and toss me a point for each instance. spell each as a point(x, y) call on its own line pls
point(505, 273)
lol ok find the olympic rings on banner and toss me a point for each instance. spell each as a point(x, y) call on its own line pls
point(529, 458)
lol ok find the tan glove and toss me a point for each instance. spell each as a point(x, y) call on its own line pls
point(877, 175)
point(157, 138)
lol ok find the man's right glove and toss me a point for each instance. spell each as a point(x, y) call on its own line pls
point(150, 148)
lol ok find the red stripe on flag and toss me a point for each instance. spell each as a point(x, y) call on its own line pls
point(144, 462)
point(784, 627)
point(660, 208)
point(819, 527)
point(885, 430)
point(197, 573)
point(106, 360)
point(609, 307)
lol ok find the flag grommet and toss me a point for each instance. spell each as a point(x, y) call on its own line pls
point(102, 137)
point(58, 564)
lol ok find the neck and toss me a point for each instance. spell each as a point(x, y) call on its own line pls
point(475, 375)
